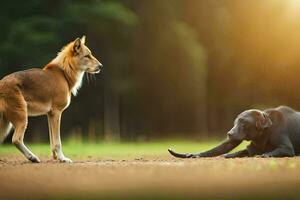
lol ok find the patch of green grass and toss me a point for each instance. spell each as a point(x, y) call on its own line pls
point(118, 150)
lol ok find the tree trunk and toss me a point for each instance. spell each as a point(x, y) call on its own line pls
point(111, 115)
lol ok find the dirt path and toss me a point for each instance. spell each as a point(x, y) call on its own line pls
point(151, 178)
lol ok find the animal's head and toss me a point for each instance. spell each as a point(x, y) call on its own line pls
point(83, 58)
point(77, 57)
point(249, 125)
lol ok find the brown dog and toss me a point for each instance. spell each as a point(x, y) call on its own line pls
point(44, 91)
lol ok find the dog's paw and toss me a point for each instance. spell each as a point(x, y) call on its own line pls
point(227, 156)
point(192, 156)
point(265, 155)
point(65, 160)
point(224, 156)
point(34, 159)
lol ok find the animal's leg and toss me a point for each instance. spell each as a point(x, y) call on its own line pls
point(284, 146)
point(17, 140)
point(51, 139)
point(16, 113)
point(54, 118)
point(238, 154)
point(283, 151)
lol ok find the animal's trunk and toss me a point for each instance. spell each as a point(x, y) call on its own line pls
point(223, 148)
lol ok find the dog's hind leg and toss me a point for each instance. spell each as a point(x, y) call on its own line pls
point(20, 124)
point(16, 113)
point(17, 140)
point(54, 118)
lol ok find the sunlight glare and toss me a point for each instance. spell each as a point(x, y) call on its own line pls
point(293, 6)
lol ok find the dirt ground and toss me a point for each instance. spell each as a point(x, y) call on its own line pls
point(151, 178)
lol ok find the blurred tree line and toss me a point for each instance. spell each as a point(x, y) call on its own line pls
point(172, 68)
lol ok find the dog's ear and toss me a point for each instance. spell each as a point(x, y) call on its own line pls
point(263, 121)
point(83, 39)
point(77, 46)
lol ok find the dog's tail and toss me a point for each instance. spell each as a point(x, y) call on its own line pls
point(222, 148)
point(5, 125)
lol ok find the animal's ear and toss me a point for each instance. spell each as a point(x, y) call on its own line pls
point(263, 121)
point(77, 46)
point(83, 39)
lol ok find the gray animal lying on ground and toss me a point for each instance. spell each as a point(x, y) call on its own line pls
point(273, 133)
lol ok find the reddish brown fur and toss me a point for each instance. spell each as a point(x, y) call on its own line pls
point(44, 91)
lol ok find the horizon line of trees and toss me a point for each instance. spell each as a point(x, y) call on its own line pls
point(172, 68)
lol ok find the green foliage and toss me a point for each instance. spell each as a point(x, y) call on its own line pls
point(189, 40)
point(102, 11)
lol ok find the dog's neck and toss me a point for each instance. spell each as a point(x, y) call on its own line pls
point(72, 75)
point(78, 83)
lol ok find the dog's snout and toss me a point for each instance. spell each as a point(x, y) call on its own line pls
point(98, 67)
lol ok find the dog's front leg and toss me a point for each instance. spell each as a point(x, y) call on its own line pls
point(283, 151)
point(54, 118)
point(238, 154)
point(51, 138)
point(283, 146)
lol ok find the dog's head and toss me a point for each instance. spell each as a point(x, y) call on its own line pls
point(249, 125)
point(83, 58)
